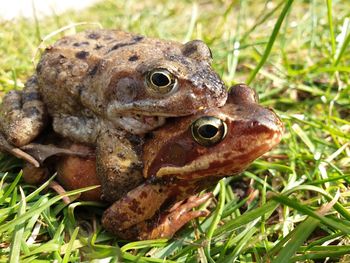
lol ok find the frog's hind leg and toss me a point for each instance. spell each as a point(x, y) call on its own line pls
point(169, 222)
point(139, 215)
point(118, 162)
point(22, 114)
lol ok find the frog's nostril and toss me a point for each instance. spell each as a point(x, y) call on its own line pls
point(271, 120)
point(255, 123)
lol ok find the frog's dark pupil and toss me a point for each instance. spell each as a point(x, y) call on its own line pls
point(160, 79)
point(207, 131)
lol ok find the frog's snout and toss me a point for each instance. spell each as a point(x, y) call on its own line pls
point(270, 120)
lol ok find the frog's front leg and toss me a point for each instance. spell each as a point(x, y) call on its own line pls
point(22, 117)
point(23, 114)
point(137, 216)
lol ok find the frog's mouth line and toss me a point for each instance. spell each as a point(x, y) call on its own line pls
point(147, 119)
point(139, 124)
point(166, 108)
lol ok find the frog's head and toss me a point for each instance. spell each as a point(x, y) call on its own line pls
point(217, 142)
point(168, 81)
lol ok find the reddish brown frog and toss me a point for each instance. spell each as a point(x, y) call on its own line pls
point(182, 158)
point(101, 80)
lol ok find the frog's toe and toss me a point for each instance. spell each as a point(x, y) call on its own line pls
point(25, 156)
point(176, 217)
point(5, 146)
point(191, 202)
point(42, 151)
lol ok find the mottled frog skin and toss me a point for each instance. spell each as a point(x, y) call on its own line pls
point(182, 158)
point(100, 80)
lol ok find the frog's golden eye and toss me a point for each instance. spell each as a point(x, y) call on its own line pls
point(208, 130)
point(161, 81)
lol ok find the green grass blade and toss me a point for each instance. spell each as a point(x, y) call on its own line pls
point(68, 251)
point(192, 23)
point(330, 24)
point(337, 206)
point(144, 244)
point(246, 218)
point(271, 41)
point(31, 212)
point(342, 226)
point(344, 42)
point(11, 187)
point(297, 238)
point(216, 219)
point(262, 19)
point(45, 248)
point(15, 250)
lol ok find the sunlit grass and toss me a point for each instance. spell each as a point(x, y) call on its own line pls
point(291, 205)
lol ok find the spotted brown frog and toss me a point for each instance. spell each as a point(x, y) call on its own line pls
point(101, 80)
point(182, 158)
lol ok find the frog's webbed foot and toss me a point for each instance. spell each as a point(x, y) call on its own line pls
point(5, 146)
point(22, 114)
point(175, 218)
point(136, 216)
point(42, 151)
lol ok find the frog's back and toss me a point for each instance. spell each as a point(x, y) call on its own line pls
point(106, 74)
point(85, 59)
